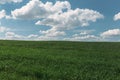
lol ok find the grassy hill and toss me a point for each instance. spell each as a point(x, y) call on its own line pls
point(54, 60)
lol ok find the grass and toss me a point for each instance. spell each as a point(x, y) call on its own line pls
point(55, 60)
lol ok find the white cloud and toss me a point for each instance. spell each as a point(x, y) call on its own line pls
point(9, 1)
point(37, 9)
point(50, 35)
point(59, 17)
point(44, 35)
point(110, 33)
point(13, 36)
point(47, 38)
point(70, 19)
point(117, 16)
point(3, 29)
point(2, 14)
point(84, 32)
point(77, 37)
point(83, 35)
point(53, 33)
point(32, 36)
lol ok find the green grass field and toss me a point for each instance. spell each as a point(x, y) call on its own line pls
point(55, 60)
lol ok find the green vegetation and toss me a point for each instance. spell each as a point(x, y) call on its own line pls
point(54, 60)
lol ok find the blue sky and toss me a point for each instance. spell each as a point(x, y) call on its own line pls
point(76, 20)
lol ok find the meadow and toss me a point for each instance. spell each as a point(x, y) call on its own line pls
point(59, 60)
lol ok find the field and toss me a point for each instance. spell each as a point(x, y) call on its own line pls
point(59, 60)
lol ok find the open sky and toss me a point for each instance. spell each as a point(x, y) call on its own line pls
point(76, 20)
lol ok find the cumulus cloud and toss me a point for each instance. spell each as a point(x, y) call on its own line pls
point(70, 19)
point(59, 16)
point(2, 14)
point(83, 35)
point(77, 37)
point(13, 36)
point(32, 36)
point(110, 33)
point(53, 33)
point(117, 16)
point(3, 29)
point(9, 1)
point(86, 32)
point(50, 35)
point(47, 38)
point(37, 9)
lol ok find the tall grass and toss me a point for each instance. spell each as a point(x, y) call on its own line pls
point(55, 60)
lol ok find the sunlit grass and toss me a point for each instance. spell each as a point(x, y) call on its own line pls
point(34, 60)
